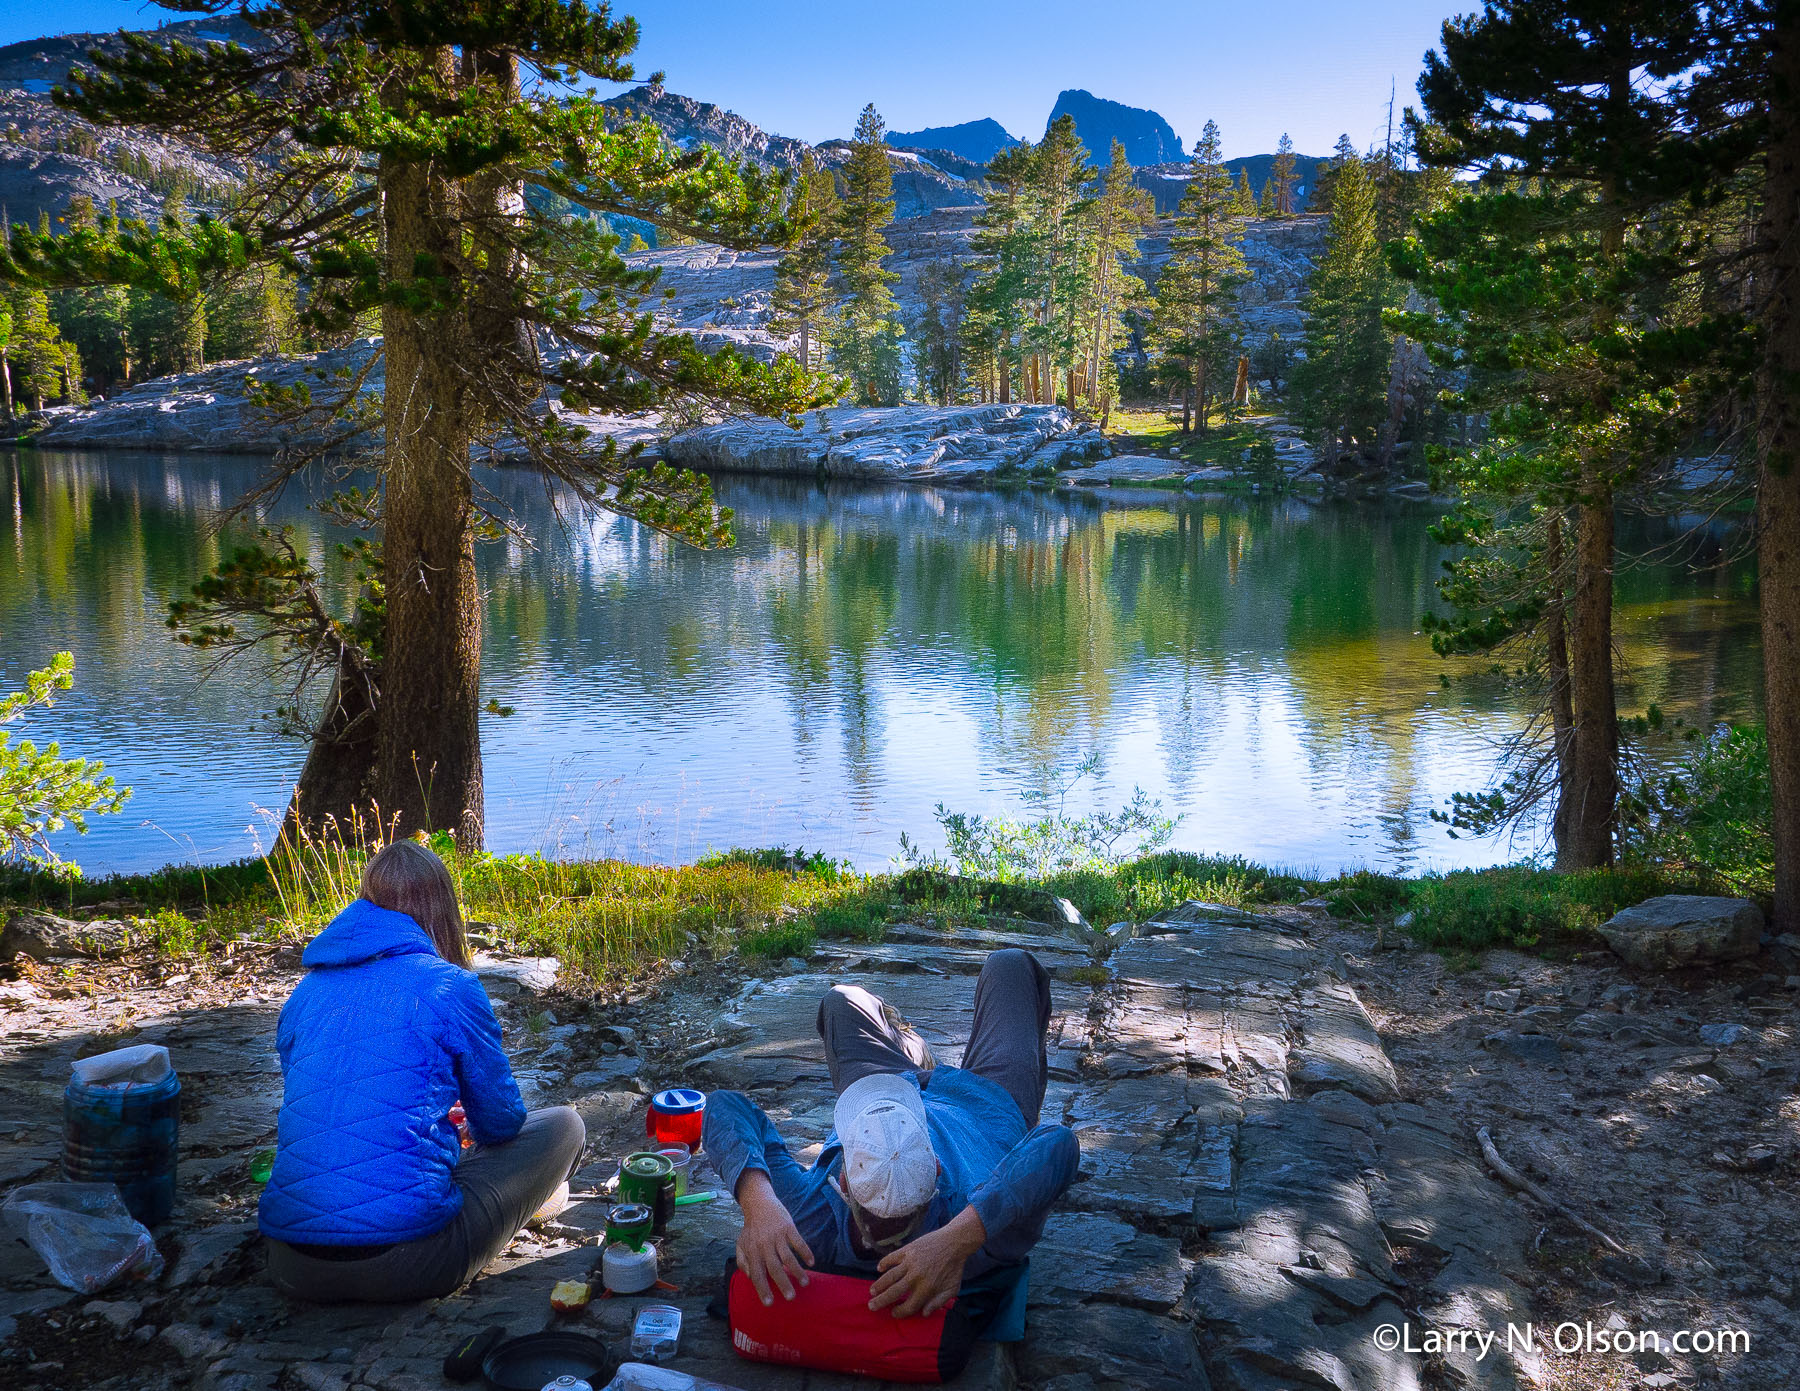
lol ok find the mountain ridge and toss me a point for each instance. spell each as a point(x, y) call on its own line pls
point(1147, 137)
point(979, 140)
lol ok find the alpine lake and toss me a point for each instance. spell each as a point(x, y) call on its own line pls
point(860, 656)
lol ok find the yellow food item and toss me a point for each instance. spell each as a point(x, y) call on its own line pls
point(570, 1294)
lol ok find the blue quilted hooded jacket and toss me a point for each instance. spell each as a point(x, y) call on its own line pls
point(377, 1043)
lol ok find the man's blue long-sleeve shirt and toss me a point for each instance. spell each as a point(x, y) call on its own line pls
point(1011, 1178)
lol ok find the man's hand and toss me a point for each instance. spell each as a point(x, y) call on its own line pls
point(925, 1274)
point(770, 1249)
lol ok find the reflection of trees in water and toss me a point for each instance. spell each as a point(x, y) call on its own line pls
point(1224, 634)
point(1057, 619)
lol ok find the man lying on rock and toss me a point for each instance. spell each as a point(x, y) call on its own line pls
point(373, 1197)
point(932, 1175)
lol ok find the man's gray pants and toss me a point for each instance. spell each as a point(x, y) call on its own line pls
point(864, 1036)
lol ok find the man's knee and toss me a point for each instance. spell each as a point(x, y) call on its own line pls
point(1012, 966)
point(843, 1006)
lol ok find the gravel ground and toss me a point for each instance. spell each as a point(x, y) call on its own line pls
point(1598, 1083)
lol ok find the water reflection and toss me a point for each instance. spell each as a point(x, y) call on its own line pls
point(861, 655)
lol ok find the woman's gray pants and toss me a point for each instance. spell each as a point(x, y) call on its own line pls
point(502, 1185)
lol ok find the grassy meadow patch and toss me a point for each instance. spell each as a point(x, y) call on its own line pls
point(608, 918)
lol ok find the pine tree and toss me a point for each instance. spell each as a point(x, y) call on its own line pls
point(1007, 241)
point(1196, 316)
point(424, 102)
point(938, 330)
point(253, 314)
point(865, 346)
point(1243, 199)
point(1060, 173)
point(1544, 287)
point(1265, 201)
point(92, 319)
point(40, 357)
point(1284, 178)
point(803, 295)
point(6, 335)
point(1340, 388)
point(1341, 154)
point(156, 333)
point(1118, 216)
point(1747, 103)
point(1772, 49)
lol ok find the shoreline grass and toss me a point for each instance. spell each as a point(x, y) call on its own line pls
point(608, 918)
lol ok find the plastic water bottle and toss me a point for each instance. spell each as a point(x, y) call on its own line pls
point(566, 1383)
point(122, 1130)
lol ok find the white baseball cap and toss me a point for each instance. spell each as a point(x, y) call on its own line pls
point(890, 1169)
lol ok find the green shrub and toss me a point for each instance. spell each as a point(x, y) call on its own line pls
point(851, 918)
point(1521, 906)
point(793, 937)
point(1364, 895)
point(41, 791)
point(1006, 850)
point(780, 859)
point(1712, 819)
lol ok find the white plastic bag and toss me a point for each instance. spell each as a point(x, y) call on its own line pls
point(123, 1068)
point(640, 1376)
point(84, 1233)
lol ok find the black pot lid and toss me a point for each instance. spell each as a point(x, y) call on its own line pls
point(534, 1361)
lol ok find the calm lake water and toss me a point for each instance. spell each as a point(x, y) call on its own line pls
point(860, 656)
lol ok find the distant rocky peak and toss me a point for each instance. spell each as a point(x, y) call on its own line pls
point(921, 183)
point(977, 141)
point(690, 122)
point(1147, 137)
point(37, 65)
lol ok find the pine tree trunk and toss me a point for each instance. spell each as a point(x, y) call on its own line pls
point(805, 346)
point(6, 382)
point(1003, 376)
point(1072, 396)
point(1562, 717)
point(428, 745)
point(333, 789)
point(1778, 476)
point(1101, 321)
point(1592, 793)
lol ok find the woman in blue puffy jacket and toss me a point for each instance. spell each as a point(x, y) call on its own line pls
point(372, 1196)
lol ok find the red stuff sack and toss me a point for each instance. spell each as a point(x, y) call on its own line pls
point(829, 1327)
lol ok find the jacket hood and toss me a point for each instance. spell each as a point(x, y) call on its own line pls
point(364, 932)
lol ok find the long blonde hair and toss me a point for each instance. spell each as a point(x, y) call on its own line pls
point(405, 877)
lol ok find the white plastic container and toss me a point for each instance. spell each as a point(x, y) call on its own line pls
point(682, 1158)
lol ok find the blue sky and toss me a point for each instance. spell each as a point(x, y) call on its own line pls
point(805, 68)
